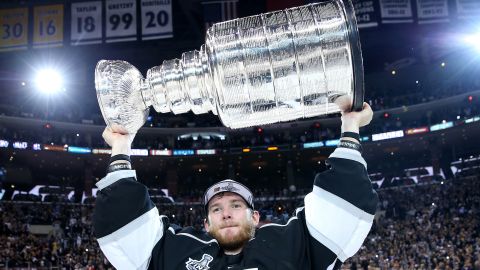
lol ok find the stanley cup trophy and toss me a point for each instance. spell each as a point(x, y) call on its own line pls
point(268, 68)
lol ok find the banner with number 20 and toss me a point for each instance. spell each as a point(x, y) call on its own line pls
point(156, 19)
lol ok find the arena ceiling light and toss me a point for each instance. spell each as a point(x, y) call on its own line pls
point(49, 81)
point(473, 40)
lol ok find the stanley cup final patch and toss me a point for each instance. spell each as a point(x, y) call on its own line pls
point(199, 265)
point(230, 187)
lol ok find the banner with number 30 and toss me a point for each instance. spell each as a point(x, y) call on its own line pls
point(14, 33)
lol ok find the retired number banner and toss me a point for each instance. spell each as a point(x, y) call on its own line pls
point(14, 31)
point(468, 9)
point(86, 23)
point(121, 20)
point(365, 13)
point(156, 19)
point(432, 11)
point(396, 11)
point(47, 26)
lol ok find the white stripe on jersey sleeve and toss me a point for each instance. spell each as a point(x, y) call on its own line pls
point(336, 223)
point(130, 247)
point(342, 152)
point(114, 177)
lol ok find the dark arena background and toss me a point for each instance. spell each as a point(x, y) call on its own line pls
point(422, 79)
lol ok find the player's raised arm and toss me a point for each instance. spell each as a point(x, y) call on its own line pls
point(126, 222)
point(339, 211)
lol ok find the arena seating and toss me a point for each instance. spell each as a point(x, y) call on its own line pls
point(428, 226)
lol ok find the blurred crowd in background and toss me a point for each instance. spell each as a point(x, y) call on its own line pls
point(429, 226)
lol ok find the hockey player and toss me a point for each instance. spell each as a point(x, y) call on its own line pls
point(336, 217)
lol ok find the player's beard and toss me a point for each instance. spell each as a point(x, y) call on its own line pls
point(233, 243)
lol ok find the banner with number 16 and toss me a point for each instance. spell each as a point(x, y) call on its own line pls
point(47, 26)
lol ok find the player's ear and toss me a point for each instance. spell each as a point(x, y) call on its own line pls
point(255, 217)
point(206, 224)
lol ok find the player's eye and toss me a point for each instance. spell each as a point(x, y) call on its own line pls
point(237, 205)
point(215, 210)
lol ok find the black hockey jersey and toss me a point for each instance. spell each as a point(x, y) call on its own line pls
point(336, 217)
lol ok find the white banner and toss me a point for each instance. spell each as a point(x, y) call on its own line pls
point(468, 9)
point(156, 19)
point(86, 23)
point(432, 11)
point(139, 152)
point(396, 11)
point(387, 135)
point(121, 20)
point(365, 13)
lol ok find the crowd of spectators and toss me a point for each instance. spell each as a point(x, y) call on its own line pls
point(429, 226)
point(425, 227)
point(70, 243)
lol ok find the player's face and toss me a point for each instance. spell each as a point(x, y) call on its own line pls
point(230, 221)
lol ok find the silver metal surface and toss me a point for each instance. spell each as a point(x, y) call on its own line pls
point(257, 70)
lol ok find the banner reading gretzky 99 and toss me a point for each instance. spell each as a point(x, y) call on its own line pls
point(121, 20)
point(156, 19)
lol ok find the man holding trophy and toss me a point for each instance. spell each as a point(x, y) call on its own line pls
point(279, 66)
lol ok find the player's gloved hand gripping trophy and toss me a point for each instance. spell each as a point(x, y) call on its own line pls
point(257, 70)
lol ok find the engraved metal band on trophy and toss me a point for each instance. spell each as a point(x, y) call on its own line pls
point(262, 69)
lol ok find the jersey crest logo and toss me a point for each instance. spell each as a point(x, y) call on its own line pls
point(199, 265)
